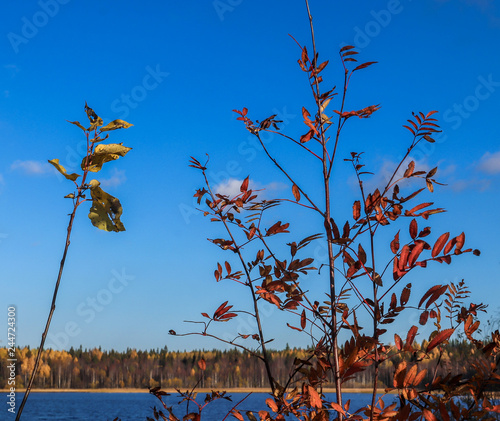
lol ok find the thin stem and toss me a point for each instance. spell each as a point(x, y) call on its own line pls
point(79, 200)
point(327, 216)
point(52, 308)
point(265, 358)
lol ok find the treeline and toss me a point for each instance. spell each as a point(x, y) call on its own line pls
point(92, 369)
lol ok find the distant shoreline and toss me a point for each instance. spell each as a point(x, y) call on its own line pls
point(173, 391)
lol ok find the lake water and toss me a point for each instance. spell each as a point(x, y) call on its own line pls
point(75, 406)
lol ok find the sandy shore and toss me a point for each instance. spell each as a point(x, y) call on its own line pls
point(173, 391)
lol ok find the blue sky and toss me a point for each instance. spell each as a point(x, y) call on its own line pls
point(176, 70)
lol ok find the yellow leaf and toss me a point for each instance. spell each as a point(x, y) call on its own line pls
point(105, 211)
point(62, 170)
point(116, 124)
point(103, 154)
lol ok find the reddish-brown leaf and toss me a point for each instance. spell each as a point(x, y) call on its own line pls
point(415, 253)
point(337, 407)
point(303, 319)
point(315, 399)
point(413, 229)
point(271, 404)
point(206, 315)
point(202, 364)
point(296, 192)
point(442, 336)
point(440, 242)
point(460, 243)
point(335, 229)
point(264, 415)
point(403, 258)
point(405, 295)
point(395, 243)
point(221, 310)
point(293, 327)
point(410, 376)
point(444, 412)
point(364, 65)
point(356, 210)
point(398, 342)
point(411, 335)
point(244, 185)
point(236, 414)
point(428, 415)
point(424, 317)
point(307, 137)
point(419, 377)
point(428, 294)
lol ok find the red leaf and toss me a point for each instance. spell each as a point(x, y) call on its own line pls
point(428, 415)
point(206, 315)
point(244, 185)
point(236, 414)
point(293, 327)
point(450, 245)
point(460, 243)
point(337, 407)
point(271, 404)
point(428, 294)
point(315, 399)
point(439, 339)
point(438, 246)
point(424, 317)
point(296, 192)
point(362, 66)
point(395, 243)
point(303, 319)
point(411, 335)
point(221, 310)
point(398, 342)
point(419, 247)
point(307, 137)
point(413, 229)
point(405, 294)
point(356, 210)
point(403, 259)
point(202, 364)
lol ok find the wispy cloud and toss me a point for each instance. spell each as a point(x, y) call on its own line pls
point(231, 187)
point(490, 163)
point(12, 69)
point(476, 183)
point(117, 177)
point(32, 167)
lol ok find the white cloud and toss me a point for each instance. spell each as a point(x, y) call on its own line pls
point(32, 167)
point(231, 187)
point(490, 163)
point(477, 184)
point(117, 177)
point(12, 68)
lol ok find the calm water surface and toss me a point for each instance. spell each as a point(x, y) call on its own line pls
point(74, 406)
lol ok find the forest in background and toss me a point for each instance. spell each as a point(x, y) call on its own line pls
point(95, 368)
